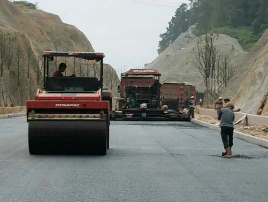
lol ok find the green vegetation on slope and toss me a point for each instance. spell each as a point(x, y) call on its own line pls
point(26, 4)
point(245, 35)
point(245, 20)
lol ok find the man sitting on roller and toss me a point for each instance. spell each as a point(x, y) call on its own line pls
point(62, 68)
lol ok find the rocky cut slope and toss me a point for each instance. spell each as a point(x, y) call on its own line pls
point(176, 62)
point(249, 88)
point(24, 34)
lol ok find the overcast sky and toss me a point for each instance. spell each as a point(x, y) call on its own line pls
point(127, 31)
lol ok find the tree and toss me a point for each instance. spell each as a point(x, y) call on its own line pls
point(213, 66)
point(6, 58)
point(111, 78)
point(178, 24)
point(10, 52)
point(94, 68)
point(18, 52)
point(213, 15)
point(164, 43)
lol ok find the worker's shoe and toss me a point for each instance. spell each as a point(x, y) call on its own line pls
point(224, 153)
point(228, 153)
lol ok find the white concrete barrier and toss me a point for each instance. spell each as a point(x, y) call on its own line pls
point(208, 112)
point(257, 120)
point(250, 119)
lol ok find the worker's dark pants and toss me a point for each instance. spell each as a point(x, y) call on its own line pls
point(227, 136)
point(192, 112)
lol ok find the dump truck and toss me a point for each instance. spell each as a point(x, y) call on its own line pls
point(138, 87)
point(176, 96)
point(140, 97)
point(70, 109)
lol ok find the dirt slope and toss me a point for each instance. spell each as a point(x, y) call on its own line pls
point(26, 33)
point(249, 89)
point(176, 62)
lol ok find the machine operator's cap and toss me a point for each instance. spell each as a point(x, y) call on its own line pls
point(192, 97)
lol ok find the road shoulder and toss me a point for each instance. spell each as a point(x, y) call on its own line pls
point(239, 135)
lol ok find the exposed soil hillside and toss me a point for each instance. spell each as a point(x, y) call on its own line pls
point(176, 62)
point(249, 89)
point(25, 34)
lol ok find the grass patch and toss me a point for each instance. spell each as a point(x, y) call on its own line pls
point(26, 4)
point(244, 35)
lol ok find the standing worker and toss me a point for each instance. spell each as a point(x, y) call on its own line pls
point(218, 104)
point(226, 117)
point(192, 106)
point(200, 102)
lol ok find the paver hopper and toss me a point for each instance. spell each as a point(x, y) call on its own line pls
point(70, 109)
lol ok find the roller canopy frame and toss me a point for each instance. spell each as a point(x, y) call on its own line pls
point(49, 56)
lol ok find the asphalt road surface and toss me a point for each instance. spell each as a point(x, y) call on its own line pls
point(152, 161)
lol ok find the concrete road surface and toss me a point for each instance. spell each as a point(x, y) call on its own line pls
point(152, 161)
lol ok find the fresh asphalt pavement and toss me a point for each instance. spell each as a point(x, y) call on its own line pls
point(147, 161)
